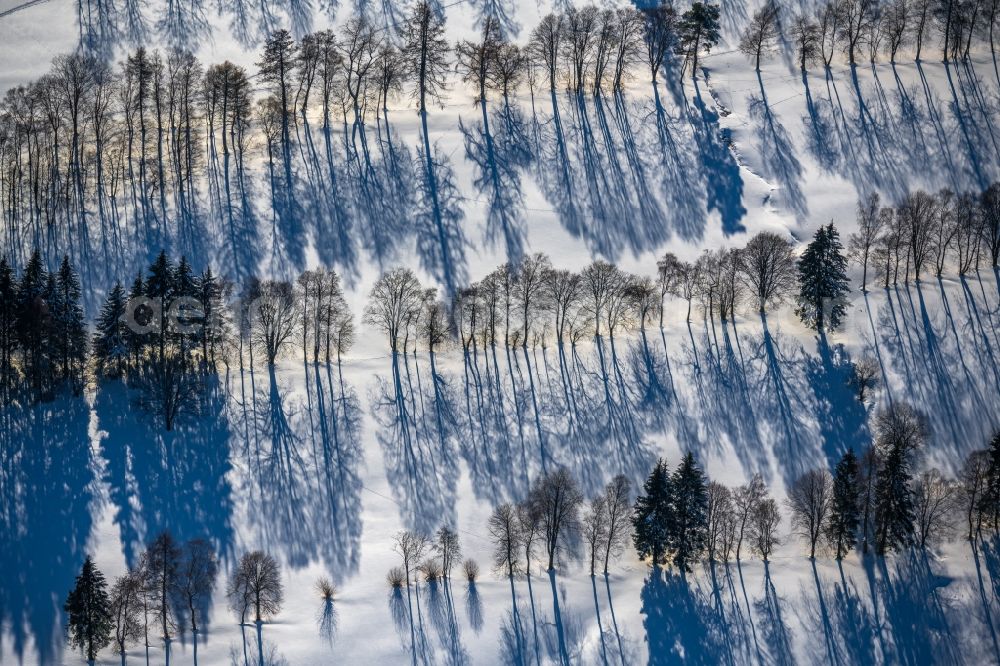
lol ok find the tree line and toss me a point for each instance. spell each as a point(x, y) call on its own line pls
point(95, 157)
point(876, 502)
point(157, 148)
point(43, 332)
point(927, 232)
point(870, 29)
point(531, 302)
point(173, 324)
point(169, 590)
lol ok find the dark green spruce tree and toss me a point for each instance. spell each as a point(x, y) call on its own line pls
point(8, 329)
point(894, 511)
point(31, 312)
point(89, 621)
point(689, 527)
point(160, 287)
point(185, 286)
point(822, 281)
point(210, 295)
point(845, 512)
point(138, 317)
point(991, 491)
point(652, 516)
point(69, 329)
point(110, 348)
point(698, 30)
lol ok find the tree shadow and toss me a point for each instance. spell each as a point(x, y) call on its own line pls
point(777, 152)
point(681, 622)
point(302, 464)
point(417, 436)
point(497, 161)
point(47, 498)
point(176, 482)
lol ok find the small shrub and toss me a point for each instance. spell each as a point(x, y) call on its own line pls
point(431, 569)
point(471, 570)
point(327, 590)
point(396, 577)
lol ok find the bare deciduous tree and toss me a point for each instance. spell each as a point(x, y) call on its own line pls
point(745, 501)
point(256, 583)
point(767, 267)
point(761, 33)
point(196, 575)
point(126, 610)
point(865, 374)
point(394, 301)
point(556, 499)
point(810, 498)
point(530, 529)
point(989, 203)
point(159, 570)
point(505, 531)
point(448, 548)
point(659, 36)
point(272, 315)
point(595, 530)
point(720, 519)
point(805, 35)
point(471, 570)
point(545, 46)
point(618, 506)
point(426, 52)
point(579, 32)
point(934, 504)
point(918, 215)
point(766, 519)
point(602, 285)
point(565, 291)
point(854, 20)
point(871, 221)
point(897, 18)
point(530, 279)
point(974, 483)
point(411, 546)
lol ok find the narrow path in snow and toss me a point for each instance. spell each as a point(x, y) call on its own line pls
point(23, 5)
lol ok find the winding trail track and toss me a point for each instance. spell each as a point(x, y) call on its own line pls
point(24, 5)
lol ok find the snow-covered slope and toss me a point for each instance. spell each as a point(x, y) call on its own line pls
point(307, 463)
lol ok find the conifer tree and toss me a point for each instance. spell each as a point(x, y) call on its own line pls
point(111, 335)
point(991, 491)
point(698, 29)
point(899, 431)
point(160, 286)
point(69, 339)
point(822, 281)
point(689, 524)
point(32, 327)
point(894, 512)
point(845, 513)
point(652, 516)
point(185, 286)
point(210, 295)
point(134, 340)
point(8, 331)
point(89, 621)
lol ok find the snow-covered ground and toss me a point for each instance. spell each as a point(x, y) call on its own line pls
point(307, 463)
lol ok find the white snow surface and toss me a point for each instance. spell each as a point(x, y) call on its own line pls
point(311, 464)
